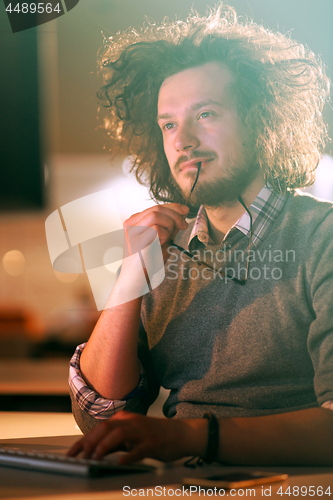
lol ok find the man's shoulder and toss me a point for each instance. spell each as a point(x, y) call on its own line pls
point(305, 199)
point(307, 219)
point(308, 209)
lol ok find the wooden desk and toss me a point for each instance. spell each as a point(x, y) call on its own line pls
point(15, 483)
point(36, 424)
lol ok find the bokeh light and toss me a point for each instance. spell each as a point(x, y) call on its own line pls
point(66, 277)
point(14, 262)
point(112, 259)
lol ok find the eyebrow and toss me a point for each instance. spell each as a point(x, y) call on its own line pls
point(194, 107)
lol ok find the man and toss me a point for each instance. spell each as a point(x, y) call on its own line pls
point(224, 120)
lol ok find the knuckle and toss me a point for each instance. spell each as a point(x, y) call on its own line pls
point(87, 446)
point(120, 433)
point(158, 208)
point(128, 221)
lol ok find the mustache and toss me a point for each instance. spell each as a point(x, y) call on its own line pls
point(192, 156)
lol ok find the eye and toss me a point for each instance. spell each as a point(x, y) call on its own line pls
point(168, 126)
point(205, 114)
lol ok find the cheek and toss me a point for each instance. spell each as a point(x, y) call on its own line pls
point(217, 139)
point(232, 138)
point(227, 143)
point(168, 150)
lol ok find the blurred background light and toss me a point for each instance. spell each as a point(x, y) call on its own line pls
point(66, 277)
point(112, 259)
point(14, 262)
point(323, 187)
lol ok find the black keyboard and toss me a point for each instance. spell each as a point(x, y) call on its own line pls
point(61, 464)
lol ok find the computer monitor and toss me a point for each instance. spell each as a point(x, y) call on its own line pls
point(21, 168)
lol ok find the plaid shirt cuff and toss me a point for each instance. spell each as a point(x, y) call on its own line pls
point(89, 400)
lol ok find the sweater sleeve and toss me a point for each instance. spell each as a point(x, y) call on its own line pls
point(320, 338)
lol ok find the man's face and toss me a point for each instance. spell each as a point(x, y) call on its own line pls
point(199, 123)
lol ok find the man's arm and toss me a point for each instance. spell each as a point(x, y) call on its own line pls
point(303, 437)
point(109, 362)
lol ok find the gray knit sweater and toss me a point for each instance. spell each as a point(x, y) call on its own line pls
point(262, 348)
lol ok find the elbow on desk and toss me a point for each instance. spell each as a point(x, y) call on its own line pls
point(84, 420)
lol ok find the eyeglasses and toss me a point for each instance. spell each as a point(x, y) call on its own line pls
point(240, 281)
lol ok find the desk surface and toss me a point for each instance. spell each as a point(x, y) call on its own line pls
point(36, 424)
point(15, 483)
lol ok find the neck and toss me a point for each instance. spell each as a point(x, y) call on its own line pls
point(222, 218)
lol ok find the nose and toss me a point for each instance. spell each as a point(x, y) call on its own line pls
point(186, 137)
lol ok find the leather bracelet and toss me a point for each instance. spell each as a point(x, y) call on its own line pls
point(213, 439)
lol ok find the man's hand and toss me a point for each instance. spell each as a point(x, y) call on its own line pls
point(142, 436)
point(166, 219)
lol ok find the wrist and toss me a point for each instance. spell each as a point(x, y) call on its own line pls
point(130, 286)
point(195, 435)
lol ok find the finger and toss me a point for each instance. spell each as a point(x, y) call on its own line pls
point(90, 440)
point(117, 437)
point(76, 448)
point(164, 234)
point(175, 207)
point(161, 218)
point(173, 210)
point(137, 453)
point(156, 225)
point(164, 223)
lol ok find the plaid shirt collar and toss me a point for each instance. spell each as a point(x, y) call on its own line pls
point(265, 209)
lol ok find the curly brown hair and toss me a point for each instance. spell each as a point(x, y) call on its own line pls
point(280, 90)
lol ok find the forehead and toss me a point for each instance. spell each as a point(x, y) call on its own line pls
point(209, 81)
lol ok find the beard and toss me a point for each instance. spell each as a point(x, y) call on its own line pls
point(223, 190)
